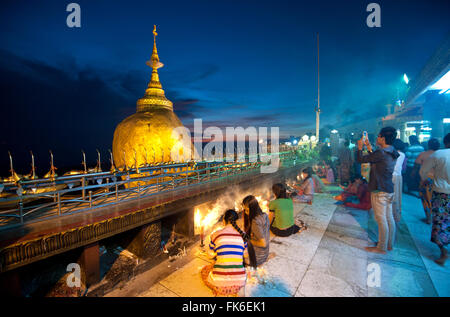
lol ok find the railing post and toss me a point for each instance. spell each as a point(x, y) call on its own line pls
point(59, 204)
point(187, 176)
point(21, 210)
point(139, 189)
point(83, 191)
point(198, 175)
point(107, 187)
point(117, 192)
point(90, 199)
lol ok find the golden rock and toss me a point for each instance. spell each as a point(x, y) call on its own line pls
point(148, 136)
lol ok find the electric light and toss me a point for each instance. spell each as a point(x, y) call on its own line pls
point(443, 84)
point(405, 79)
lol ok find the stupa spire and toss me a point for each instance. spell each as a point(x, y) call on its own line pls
point(154, 94)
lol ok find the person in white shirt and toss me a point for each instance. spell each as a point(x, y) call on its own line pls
point(438, 165)
point(397, 179)
point(425, 189)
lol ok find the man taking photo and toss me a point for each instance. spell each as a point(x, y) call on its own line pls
point(382, 163)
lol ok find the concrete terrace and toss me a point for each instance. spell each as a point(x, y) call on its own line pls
point(328, 259)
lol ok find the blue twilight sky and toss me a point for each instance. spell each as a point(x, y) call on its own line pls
point(230, 63)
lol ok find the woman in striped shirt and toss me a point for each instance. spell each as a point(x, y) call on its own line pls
point(226, 276)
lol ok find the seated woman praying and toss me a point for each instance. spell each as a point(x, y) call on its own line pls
point(306, 189)
point(362, 195)
point(226, 276)
point(256, 227)
point(281, 215)
point(349, 191)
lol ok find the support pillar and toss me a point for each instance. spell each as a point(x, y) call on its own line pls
point(90, 264)
point(185, 223)
point(146, 242)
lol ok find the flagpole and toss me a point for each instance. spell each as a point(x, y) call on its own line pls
point(318, 92)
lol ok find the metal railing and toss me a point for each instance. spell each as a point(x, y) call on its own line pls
point(35, 200)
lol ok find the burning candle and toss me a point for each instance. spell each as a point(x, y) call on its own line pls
point(202, 236)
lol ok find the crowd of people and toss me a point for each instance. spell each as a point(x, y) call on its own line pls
point(395, 167)
point(233, 248)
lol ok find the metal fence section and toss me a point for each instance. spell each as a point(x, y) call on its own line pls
point(27, 201)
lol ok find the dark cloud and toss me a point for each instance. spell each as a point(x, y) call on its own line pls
point(186, 108)
point(44, 107)
point(262, 118)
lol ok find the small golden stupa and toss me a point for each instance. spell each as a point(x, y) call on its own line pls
point(147, 136)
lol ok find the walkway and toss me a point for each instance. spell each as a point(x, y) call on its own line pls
point(326, 260)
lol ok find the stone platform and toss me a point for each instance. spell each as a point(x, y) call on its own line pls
point(328, 259)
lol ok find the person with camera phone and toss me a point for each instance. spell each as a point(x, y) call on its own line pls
point(382, 163)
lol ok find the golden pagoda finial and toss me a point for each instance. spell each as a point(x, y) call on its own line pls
point(154, 94)
point(154, 60)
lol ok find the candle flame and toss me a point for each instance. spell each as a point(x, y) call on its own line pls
point(264, 204)
point(207, 221)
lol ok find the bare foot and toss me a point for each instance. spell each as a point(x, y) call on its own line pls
point(374, 250)
point(427, 220)
point(441, 260)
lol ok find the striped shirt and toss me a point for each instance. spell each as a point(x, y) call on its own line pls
point(229, 247)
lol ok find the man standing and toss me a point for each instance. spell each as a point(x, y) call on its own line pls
point(381, 187)
point(437, 165)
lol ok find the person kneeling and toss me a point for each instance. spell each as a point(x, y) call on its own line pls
point(362, 194)
point(257, 231)
point(306, 189)
point(226, 276)
point(281, 215)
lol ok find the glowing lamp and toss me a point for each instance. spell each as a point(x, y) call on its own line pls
point(405, 79)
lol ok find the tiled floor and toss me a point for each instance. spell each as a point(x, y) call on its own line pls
point(329, 259)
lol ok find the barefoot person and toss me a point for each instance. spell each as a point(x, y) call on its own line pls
point(256, 227)
point(281, 216)
point(397, 179)
point(306, 189)
point(226, 276)
point(381, 187)
point(438, 164)
point(425, 188)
